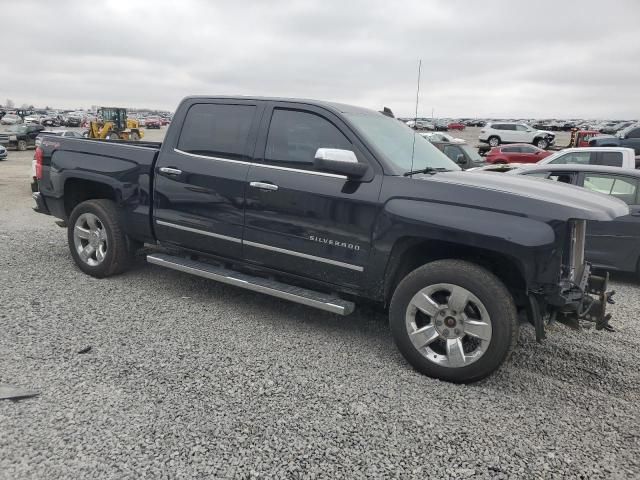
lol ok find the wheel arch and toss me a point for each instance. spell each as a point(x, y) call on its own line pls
point(410, 253)
point(78, 190)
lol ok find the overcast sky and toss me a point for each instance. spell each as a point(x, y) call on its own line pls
point(489, 58)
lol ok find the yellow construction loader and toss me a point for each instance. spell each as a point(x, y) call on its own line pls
point(113, 124)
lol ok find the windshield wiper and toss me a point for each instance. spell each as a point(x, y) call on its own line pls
point(430, 170)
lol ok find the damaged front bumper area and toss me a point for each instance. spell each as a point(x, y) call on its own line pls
point(580, 295)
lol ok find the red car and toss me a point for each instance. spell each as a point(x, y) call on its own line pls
point(516, 153)
point(456, 126)
point(152, 122)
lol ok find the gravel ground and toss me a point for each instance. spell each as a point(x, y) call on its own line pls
point(187, 378)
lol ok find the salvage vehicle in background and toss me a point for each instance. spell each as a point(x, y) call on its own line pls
point(3, 153)
point(516, 153)
point(606, 156)
point(20, 136)
point(441, 137)
point(462, 154)
point(613, 245)
point(456, 126)
point(11, 119)
point(58, 133)
point(497, 133)
point(629, 137)
point(328, 205)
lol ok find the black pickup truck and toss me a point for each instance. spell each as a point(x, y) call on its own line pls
point(328, 205)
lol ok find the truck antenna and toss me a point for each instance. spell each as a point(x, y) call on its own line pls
point(415, 118)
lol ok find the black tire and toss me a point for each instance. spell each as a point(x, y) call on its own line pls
point(494, 141)
point(120, 249)
point(487, 288)
point(541, 143)
point(113, 136)
point(134, 137)
point(22, 145)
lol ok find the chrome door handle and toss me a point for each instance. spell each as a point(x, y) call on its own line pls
point(170, 171)
point(263, 185)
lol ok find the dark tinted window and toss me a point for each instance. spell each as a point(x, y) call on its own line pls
point(497, 126)
point(216, 130)
point(635, 133)
point(525, 149)
point(511, 149)
point(295, 136)
point(611, 159)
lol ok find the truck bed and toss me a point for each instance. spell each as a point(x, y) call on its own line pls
point(126, 167)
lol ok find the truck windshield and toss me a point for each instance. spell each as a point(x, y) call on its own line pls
point(394, 140)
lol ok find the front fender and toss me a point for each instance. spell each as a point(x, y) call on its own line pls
point(531, 244)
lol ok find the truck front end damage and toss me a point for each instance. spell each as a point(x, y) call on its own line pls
point(579, 294)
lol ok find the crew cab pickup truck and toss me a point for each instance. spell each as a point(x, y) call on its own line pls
point(628, 137)
point(329, 205)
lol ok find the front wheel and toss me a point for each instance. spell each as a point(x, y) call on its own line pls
point(494, 141)
point(453, 320)
point(542, 143)
point(97, 243)
point(22, 145)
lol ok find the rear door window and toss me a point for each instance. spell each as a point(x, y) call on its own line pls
point(218, 130)
point(511, 150)
point(624, 188)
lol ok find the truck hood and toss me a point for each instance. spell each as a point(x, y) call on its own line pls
point(528, 197)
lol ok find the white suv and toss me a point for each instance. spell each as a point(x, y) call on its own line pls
point(503, 132)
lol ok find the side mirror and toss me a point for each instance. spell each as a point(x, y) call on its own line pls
point(460, 160)
point(337, 160)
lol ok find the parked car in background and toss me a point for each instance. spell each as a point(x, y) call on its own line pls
point(20, 136)
point(505, 132)
point(59, 133)
point(616, 127)
point(11, 119)
point(463, 155)
point(152, 122)
point(72, 121)
point(516, 153)
point(456, 126)
point(441, 137)
point(34, 119)
point(611, 245)
point(3, 153)
point(51, 121)
point(607, 156)
point(628, 137)
point(441, 126)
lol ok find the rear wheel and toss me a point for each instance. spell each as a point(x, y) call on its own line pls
point(113, 136)
point(453, 320)
point(494, 141)
point(97, 243)
point(22, 145)
point(134, 137)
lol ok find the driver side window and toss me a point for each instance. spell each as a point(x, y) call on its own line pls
point(295, 136)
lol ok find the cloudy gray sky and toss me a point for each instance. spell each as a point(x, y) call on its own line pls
point(480, 58)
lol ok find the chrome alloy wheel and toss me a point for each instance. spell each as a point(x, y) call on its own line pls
point(448, 325)
point(90, 239)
